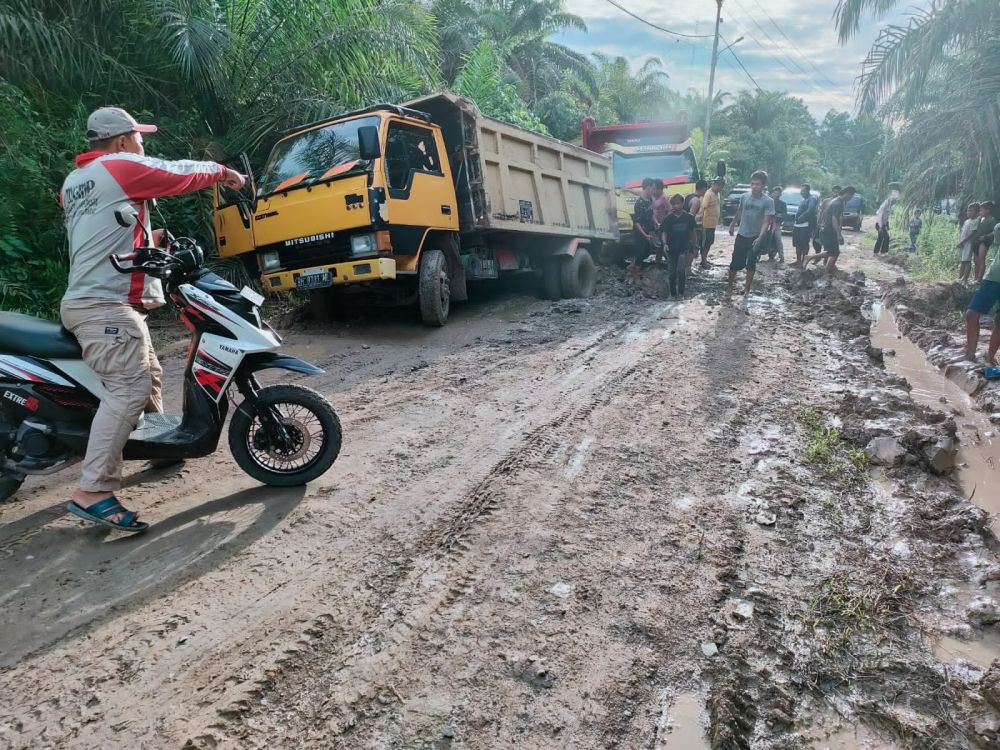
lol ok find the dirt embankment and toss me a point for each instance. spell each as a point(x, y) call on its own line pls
point(932, 316)
point(611, 523)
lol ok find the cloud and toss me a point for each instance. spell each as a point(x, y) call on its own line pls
point(788, 45)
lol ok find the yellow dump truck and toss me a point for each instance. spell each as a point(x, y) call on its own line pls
point(414, 203)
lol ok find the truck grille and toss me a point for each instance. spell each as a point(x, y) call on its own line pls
point(336, 250)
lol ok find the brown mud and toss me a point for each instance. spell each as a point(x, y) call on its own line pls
point(623, 522)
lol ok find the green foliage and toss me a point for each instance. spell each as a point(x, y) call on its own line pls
point(33, 155)
point(936, 258)
point(561, 114)
point(623, 96)
point(935, 81)
point(485, 79)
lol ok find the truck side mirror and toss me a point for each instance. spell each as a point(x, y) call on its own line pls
point(720, 168)
point(369, 148)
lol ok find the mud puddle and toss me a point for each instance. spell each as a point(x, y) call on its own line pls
point(681, 727)
point(981, 652)
point(979, 452)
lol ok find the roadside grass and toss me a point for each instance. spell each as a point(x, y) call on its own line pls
point(849, 613)
point(825, 447)
point(936, 258)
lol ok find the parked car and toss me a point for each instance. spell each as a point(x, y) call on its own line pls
point(792, 196)
point(854, 213)
point(732, 202)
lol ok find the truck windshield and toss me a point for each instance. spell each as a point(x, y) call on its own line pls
point(313, 155)
point(631, 169)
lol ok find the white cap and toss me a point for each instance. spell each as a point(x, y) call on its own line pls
point(107, 122)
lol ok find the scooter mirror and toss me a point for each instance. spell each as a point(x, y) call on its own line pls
point(126, 215)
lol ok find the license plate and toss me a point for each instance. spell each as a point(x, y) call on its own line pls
point(251, 296)
point(314, 280)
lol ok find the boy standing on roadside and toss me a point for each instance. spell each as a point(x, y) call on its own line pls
point(754, 218)
point(964, 243)
point(916, 224)
point(679, 236)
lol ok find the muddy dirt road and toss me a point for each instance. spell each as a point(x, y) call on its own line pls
point(626, 522)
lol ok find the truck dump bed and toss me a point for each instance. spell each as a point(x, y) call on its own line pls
point(508, 179)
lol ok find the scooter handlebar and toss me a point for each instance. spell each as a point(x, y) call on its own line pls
point(117, 260)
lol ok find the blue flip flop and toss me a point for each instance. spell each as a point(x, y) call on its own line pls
point(100, 512)
point(992, 373)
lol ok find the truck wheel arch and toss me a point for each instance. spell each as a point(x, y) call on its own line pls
point(447, 242)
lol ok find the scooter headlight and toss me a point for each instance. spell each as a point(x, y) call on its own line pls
point(270, 262)
point(364, 244)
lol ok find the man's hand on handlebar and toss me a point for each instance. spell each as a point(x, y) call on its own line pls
point(233, 179)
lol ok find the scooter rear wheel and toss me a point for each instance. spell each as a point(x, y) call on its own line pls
point(8, 484)
point(308, 443)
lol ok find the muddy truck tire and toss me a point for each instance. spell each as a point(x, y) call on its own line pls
point(552, 278)
point(434, 289)
point(578, 275)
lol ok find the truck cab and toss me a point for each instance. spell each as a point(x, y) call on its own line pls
point(343, 201)
point(661, 150)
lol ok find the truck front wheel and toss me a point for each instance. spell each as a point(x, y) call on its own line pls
point(578, 275)
point(434, 288)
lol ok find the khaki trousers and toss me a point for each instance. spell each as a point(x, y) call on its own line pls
point(117, 346)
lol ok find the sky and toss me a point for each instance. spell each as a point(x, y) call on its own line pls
point(788, 45)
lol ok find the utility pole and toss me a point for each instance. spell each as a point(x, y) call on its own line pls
point(711, 83)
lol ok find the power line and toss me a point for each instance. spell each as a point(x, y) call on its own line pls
point(658, 28)
point(807, 77)
point(794, 45)
point(729, 49)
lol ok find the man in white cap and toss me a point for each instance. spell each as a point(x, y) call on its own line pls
point(106, 310)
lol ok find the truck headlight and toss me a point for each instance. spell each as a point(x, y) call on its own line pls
point(364, 244)
point(270, 262)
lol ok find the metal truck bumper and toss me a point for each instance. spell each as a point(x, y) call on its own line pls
point(319, 277)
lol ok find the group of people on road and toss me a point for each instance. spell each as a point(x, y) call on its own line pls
point(680, 227)
point(758, 225)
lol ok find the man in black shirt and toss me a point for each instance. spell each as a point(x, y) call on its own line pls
point(643, 226)
point(678, 233)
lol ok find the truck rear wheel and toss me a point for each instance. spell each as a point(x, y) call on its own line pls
point(434, 288)
point(552, 277)
point(578, 275)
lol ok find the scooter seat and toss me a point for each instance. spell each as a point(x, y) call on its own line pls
point(24, 334)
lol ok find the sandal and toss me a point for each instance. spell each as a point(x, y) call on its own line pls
point(101, 511)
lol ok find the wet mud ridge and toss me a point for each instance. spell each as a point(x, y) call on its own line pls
point(625, 522)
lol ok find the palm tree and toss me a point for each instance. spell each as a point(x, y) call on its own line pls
point(624, 96)
point(522, 29)
point(247, 67)
point(936, 80)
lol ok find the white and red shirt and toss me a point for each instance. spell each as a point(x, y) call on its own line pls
point(90, 194)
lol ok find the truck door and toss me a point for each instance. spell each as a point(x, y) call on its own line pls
point(233, 217)
point(421, 194)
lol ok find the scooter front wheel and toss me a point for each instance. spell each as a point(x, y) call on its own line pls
point(287, 436)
